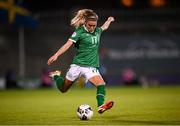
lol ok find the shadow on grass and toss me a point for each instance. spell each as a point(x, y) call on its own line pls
point(118, 120)
point(148, 122)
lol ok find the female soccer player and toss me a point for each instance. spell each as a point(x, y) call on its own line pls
point(86, 39)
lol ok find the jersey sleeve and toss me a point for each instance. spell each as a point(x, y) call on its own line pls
point(75, 36)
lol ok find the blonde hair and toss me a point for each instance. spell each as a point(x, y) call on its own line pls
point(82, 16)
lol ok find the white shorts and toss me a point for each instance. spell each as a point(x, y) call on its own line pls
point(76, 71)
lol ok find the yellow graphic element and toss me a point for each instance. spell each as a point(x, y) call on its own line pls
point(12, 9)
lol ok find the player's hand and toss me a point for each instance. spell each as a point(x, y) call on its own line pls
point(111, 19)
point(52, 59)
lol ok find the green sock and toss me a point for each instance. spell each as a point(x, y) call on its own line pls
point(59, 81)
point(100, 94)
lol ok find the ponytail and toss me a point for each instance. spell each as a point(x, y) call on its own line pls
point(81, 17)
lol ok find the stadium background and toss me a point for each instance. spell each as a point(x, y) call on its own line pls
point(144, 37)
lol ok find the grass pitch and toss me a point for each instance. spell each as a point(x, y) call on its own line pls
point(133, 105)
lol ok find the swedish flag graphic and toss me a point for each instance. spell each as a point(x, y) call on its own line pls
point(14, 14)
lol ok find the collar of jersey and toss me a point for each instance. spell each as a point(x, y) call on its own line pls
point(86, 29)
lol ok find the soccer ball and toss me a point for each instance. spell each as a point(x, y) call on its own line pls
point(85, 112)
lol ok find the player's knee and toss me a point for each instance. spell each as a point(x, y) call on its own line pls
point(63, 90)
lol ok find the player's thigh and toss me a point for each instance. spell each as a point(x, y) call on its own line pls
point(97, 80)
point(93, 75)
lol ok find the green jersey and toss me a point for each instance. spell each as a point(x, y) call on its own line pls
point(86, 45)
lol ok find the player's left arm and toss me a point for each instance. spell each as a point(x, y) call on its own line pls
point(106, 25)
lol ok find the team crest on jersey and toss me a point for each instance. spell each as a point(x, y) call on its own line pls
point(74, 34)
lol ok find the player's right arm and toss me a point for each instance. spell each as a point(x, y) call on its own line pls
point(63, 49)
